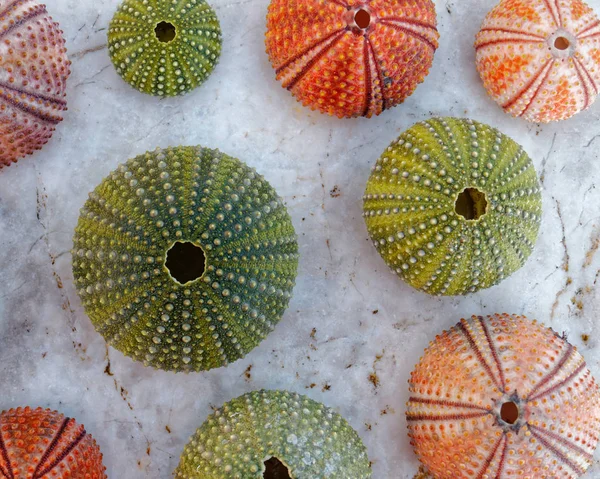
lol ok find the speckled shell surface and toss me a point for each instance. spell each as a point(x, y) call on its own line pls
point(467, 373)
point(164, 68)
point(44, 444)
point(185, 194)
point(309, 438)
point(525, 72)
point(409, 206)
point(330, 64)
point(33, 77)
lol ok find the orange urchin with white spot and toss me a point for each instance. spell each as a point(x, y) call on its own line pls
point(540, 59)
point(351, 58)
point(43, 444)
point(33, 75)
point(502, 396)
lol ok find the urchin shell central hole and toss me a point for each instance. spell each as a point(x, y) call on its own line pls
point(471, 204)
point(185, 261)
point(275, 469)
point(562, 43)
point(362, 18)
point(165, 32)
point(509, 412)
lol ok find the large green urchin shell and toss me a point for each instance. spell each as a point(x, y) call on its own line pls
point(173, 201)
point(163, 47)
point(262, 433)
point(453, 206)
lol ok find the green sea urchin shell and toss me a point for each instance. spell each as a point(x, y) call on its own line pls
point(162, 47)
point(453, 206)
point(179, 199)
point(310, 439)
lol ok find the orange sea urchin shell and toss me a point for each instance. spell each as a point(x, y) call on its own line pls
point(351, 58)
point(33, 73)
point(503, 397)
point(540, 59)
point(44, 444)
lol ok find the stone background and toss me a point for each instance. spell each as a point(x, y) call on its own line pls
point(347, 309)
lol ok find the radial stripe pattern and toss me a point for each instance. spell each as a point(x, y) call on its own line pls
point(351, 59)
point(414, 215)
point(468, 375)
point(43, 444)
point(147, 209)
point(310, 439)
point(164, 48)
point(540, 59)
point(33, 78)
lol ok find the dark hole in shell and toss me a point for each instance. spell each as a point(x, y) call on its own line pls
point(471, 204)
point(275, 469)
point(185, 261)
point(165, 32)
point(509, 412)
point(561, 43)
point(362, 19)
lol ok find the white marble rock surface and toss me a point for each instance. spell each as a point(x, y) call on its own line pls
point(349, 317)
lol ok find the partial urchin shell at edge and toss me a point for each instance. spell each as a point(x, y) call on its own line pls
point(540, 59)
point(188, 54)
point(33, 78)
point(502, 396)
point(351, 59)
point(309, 438)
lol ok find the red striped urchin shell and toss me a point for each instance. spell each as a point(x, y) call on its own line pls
point(33, 73)
point(540, 59)
point(502, 397)
point(351, 58)
point(44, 444)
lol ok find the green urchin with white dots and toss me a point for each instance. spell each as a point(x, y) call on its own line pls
point(184, 258)
point(453, 206)
point(164, 47)
point(274, 434)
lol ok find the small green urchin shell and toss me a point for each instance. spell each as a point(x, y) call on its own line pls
point(310, 439)
point(410, 206)
point(175, 65)
point(174, 196)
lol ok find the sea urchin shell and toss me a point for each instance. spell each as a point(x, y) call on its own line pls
point(164, 48)
point(184, 258)
point(274, 434)
point(540, 59)
point(349, 58)
point(453, 206)
point(40, 444)
point(503, 397)
point(33, 78)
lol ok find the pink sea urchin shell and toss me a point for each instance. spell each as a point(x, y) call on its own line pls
point(540, 59)
point(503, 397)
point(33, 73)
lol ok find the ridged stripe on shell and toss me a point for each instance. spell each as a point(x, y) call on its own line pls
point(482, 473)
point(454, 442)
point(516, 46)
point(195, 195)
point(310, 439)
point(63, 454)
point(409, 206)
point(33, 85)
point(164, 68)
point(332, 64)
point(51, 447)
point(6, 472)
point(42, 443)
